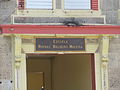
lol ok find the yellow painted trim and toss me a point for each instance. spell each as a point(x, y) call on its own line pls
point(18, 45)
point(104, 64)
point(59, 13)
point(61, 35)
point(98, 76)
point(20, 68)
point(104, 72)
point(105, 48)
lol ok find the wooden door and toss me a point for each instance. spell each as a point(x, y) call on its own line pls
point(35, 80)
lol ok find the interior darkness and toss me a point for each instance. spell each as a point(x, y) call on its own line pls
point(59, 72)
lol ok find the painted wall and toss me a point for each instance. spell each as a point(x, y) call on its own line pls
point(41, 65)
point(71, 72)
point(108, 8)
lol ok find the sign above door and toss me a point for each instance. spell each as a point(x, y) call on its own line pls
point(60, 44)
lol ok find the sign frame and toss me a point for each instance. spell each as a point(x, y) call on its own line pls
point(61, 50)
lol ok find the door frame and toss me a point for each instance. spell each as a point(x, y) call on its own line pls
point(100, 58)
point(93, 72)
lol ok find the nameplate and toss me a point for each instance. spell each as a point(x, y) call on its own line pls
point(60, 44)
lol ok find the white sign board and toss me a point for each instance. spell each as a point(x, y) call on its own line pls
point(6, 85)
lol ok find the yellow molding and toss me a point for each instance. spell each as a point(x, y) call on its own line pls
point(90, 48)
point(105, 47)
point(60, 35)
point(104, 64)
point(18, 46)
point(65, 35)
point(104, 72)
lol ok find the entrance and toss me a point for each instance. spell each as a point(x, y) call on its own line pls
point(60, 72)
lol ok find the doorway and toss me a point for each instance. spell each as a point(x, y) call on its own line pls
point(60, 72)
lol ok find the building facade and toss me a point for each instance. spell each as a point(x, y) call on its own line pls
point(16, 46)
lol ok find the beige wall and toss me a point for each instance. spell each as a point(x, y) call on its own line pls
point(41, 65)
point(35, 80)
point(69, 72)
